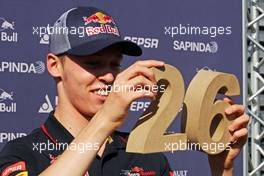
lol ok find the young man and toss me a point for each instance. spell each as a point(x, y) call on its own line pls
point(79, 137)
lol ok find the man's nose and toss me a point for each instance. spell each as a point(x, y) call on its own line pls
point(107, 77)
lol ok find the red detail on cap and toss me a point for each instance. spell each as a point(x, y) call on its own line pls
point(19, 166)
point(98, 17)
point(92, 18)
point(108, 19)
point(47, 133)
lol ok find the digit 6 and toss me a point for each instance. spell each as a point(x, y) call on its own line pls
point(206, 119)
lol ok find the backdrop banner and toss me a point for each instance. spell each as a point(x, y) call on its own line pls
point(190, 35)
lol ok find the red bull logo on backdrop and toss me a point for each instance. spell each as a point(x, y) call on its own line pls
point(4, 95)
point(7, 33)
point(105, 22)
point(6, 101)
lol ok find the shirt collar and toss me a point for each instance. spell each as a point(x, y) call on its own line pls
point(55, 131)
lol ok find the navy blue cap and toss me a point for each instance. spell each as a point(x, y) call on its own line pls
point(86, 30)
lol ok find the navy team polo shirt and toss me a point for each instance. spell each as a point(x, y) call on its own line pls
point(22, 156)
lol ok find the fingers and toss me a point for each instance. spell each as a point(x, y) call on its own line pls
point(239, 130)
point(228, 100)
point(143, 94)
point(139, 74)
point(142, 81)
point(138, 80)
point(141, 68)
point(238, 123)
point(240, 136)
point(150, 63)
point(141, 87)
point(139, 83)
point(235, 109)
point(137, 70)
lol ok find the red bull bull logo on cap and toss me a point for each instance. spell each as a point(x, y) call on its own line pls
point(98, 17)
point(104, 21)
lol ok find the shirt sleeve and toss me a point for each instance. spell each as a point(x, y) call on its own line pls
point(12, 167)
point(166, 167)
point(12, 162)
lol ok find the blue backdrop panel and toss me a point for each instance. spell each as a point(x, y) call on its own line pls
point(190, 34)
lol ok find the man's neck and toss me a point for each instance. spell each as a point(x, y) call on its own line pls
point(73, 121)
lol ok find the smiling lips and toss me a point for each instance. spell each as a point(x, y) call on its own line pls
point(101, 91)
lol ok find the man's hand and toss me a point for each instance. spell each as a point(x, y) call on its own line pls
point(137, 75)
point(222, 164)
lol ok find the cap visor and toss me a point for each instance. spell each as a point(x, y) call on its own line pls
point(128, 47)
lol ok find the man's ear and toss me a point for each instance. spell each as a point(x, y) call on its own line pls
point(54, 65)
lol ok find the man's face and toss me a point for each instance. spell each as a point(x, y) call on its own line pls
point(84, 78)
